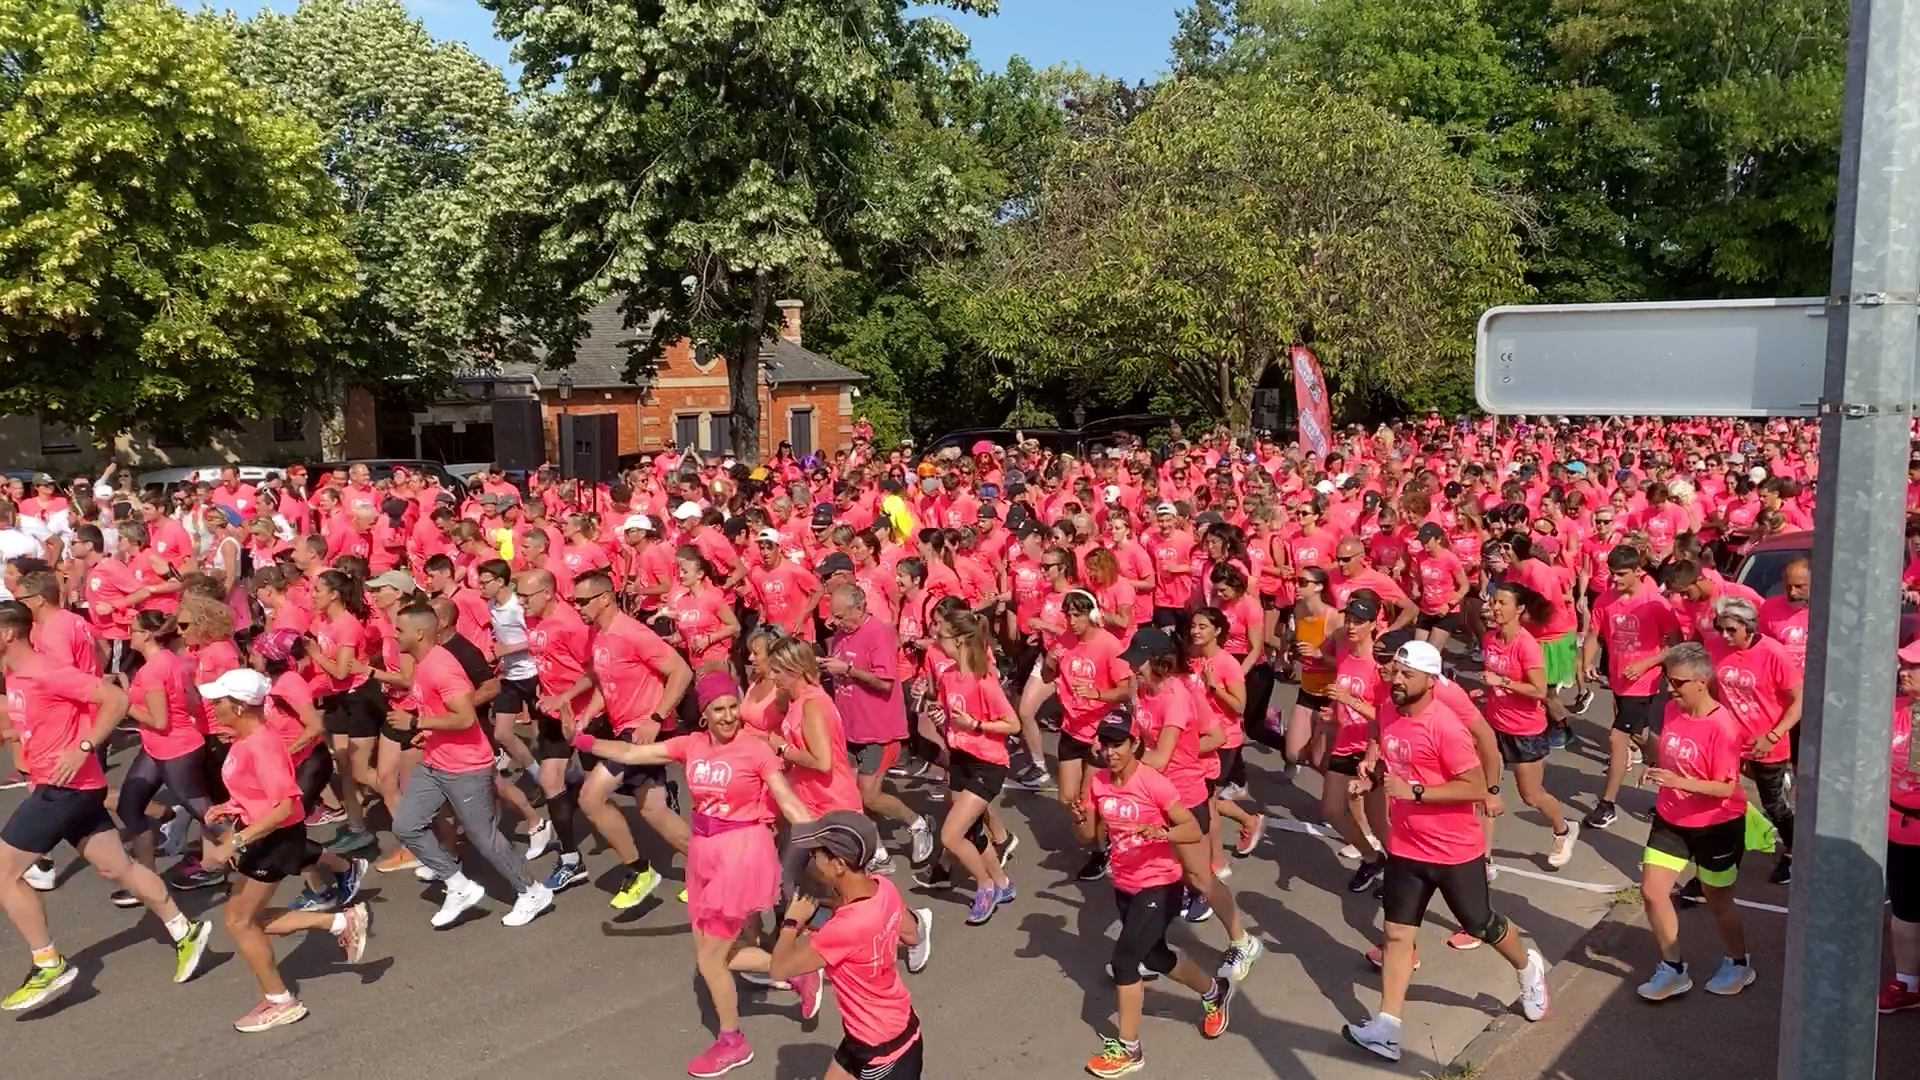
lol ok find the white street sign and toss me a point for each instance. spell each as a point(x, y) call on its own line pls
point(1685, 358)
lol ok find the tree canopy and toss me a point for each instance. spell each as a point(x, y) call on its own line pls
point(170, 250)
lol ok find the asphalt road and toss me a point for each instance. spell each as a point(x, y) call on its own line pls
point(584, 993)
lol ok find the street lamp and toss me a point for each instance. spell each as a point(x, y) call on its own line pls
point(1079, 416)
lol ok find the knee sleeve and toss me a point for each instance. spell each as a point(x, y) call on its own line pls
point(1494, 930)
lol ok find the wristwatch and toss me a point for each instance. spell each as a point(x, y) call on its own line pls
point(789, 924)
point(86, 746)
point(1493, 789)
point(1419, 792)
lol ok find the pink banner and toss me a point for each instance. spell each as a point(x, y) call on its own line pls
point(1310, 395)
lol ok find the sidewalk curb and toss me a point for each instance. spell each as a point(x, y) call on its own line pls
point(1621, 922)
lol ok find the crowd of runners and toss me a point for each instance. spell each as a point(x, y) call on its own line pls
point(328, 677)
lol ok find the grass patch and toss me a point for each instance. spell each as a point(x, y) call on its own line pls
point(1465, 1070)
point(1629, 895)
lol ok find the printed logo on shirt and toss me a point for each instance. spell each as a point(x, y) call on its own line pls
point(710, 774)
point(1678, 750)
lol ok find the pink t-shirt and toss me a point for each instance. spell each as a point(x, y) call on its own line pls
point(437, 676)
point(782, 595)
point(1634, 627)
point(697, 614)
point(1430, 747)
point(559, 643)
point(1436, 574)
point(258, 773)
point(1700, 748)
point(870, 716)
point(1360, 676)
point(343, 631)
point(982, 699)
point(1172, 587)
point(177, 736)
point(631, 662)
point(860, 944)
point(1093, 662)
point(1903, 783)
point(1508, 710)
point(835, 788)
point(1140, 802)
point(1755, 684)
point(290, 693)
point(1171, 708)
point(52, 709)
point(65, 638)
point(1241, 614)
point(728, 780)
point(1786, 623)
point(1227, 670)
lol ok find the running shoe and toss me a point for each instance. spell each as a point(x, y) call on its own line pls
point(1493, 871)
point(43, 985)
point(1348, 853)
point(1240, 956)
point(123, 898)
point(640, 885)
point(1601, 816)
point(1463, 941)
point(1782, 871)
point(882, 861)
point(728, 1052)
point(353, 936)
point(325, 815)
point(1032, 778)
point(269, 1015)
point(1668, 981)
point(347, 841)
point(346, 886)
point(397, 860)
point(1250, 838)
point(1196, 909)
point(1731, 977)
point(41, 876)
point(1379, 959)
point(1095, 868)
point(540, 838)
point(812, 988)
point(1367, 875)
point(985, 898)
point(173, 835)
point(1562, 852)
point(1006, 850)
point(188, 950)
point(566, 874)
point(1533, 987)
point(424, 874)
point(1116, 1059)
point(921, 951)
point(460, 899)
point(1215, 1008)
point(1635, 758)
point(922, 834)
point(1377, 1035)
point(312, 900)
point(1557, 736)
point(189, 874)
point(1895, 997)
point(532, 903)
point(1006, 895)
point(1224, 871)
point(934, 877)
point(1580, 702)
point(1692, 892)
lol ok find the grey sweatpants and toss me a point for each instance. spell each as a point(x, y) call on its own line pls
point(471, 796)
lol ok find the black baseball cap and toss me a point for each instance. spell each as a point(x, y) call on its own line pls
point(847, 835)
point(822, 515)
point(1363, 605)
point(834, 563)
point(1148, 642)
point(1115, 728)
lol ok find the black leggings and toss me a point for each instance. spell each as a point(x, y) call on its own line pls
point(1774, 781)
point(1254, 718)
point(185, 776)
point(314, 774)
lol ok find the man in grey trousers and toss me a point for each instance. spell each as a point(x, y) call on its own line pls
point(456, 770)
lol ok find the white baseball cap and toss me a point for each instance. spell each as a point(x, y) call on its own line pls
point(1111, 493)
point(769, 536)
point(244, 685)
point(1419, 656)
point(686, 511)
point(637, 521)
point(1166, 508)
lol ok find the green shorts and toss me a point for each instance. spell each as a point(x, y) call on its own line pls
point(1559, 655)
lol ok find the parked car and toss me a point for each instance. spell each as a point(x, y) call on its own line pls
point(168, 479)
point(382, 469)
point(1095, 434)
point(1763, 566)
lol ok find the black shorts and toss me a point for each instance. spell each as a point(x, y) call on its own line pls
point(51, 816)
point(1636, 715)
point(1448, 621)
point(1715, 849)
point(516, 697)
point(874, 758)
point(1903, 881)
point(1345, 764)
point(1072, 749)
point(1522, 749)
point(1410, 885)
point(860, 1060)
point(1145, 918)
point(1307, 699)
point(968, 773)
point(549, 742)
point(1203, 813)
point(358, 714)
point(630, 776)
point(279, 855)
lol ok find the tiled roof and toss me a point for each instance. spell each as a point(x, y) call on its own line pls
point(600, 361)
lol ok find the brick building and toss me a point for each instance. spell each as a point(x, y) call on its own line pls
point(805, 399)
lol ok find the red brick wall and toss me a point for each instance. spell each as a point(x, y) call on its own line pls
point(832, 426)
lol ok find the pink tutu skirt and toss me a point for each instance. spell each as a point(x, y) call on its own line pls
point(730, 876)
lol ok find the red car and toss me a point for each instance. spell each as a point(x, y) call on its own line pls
point(1762, 567)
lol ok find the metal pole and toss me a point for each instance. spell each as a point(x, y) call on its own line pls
point(1827, 1019)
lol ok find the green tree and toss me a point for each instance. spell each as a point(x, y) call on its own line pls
point(169, 247)
point(704, 156)
point(1229, 220)
point(427, 154)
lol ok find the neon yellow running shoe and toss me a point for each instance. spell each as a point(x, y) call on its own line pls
point(636, 890)
point(43, 985)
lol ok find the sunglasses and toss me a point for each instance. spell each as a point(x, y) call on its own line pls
point(1348, 558)
point(1053, 566)
point(1728, 628)
point(583, 601)
point(1675, 684)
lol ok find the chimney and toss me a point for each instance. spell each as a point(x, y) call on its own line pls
point(790, 319)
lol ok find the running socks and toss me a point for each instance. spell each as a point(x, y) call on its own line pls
point(1911, 982)
point(179, 926)
point(49, 957)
